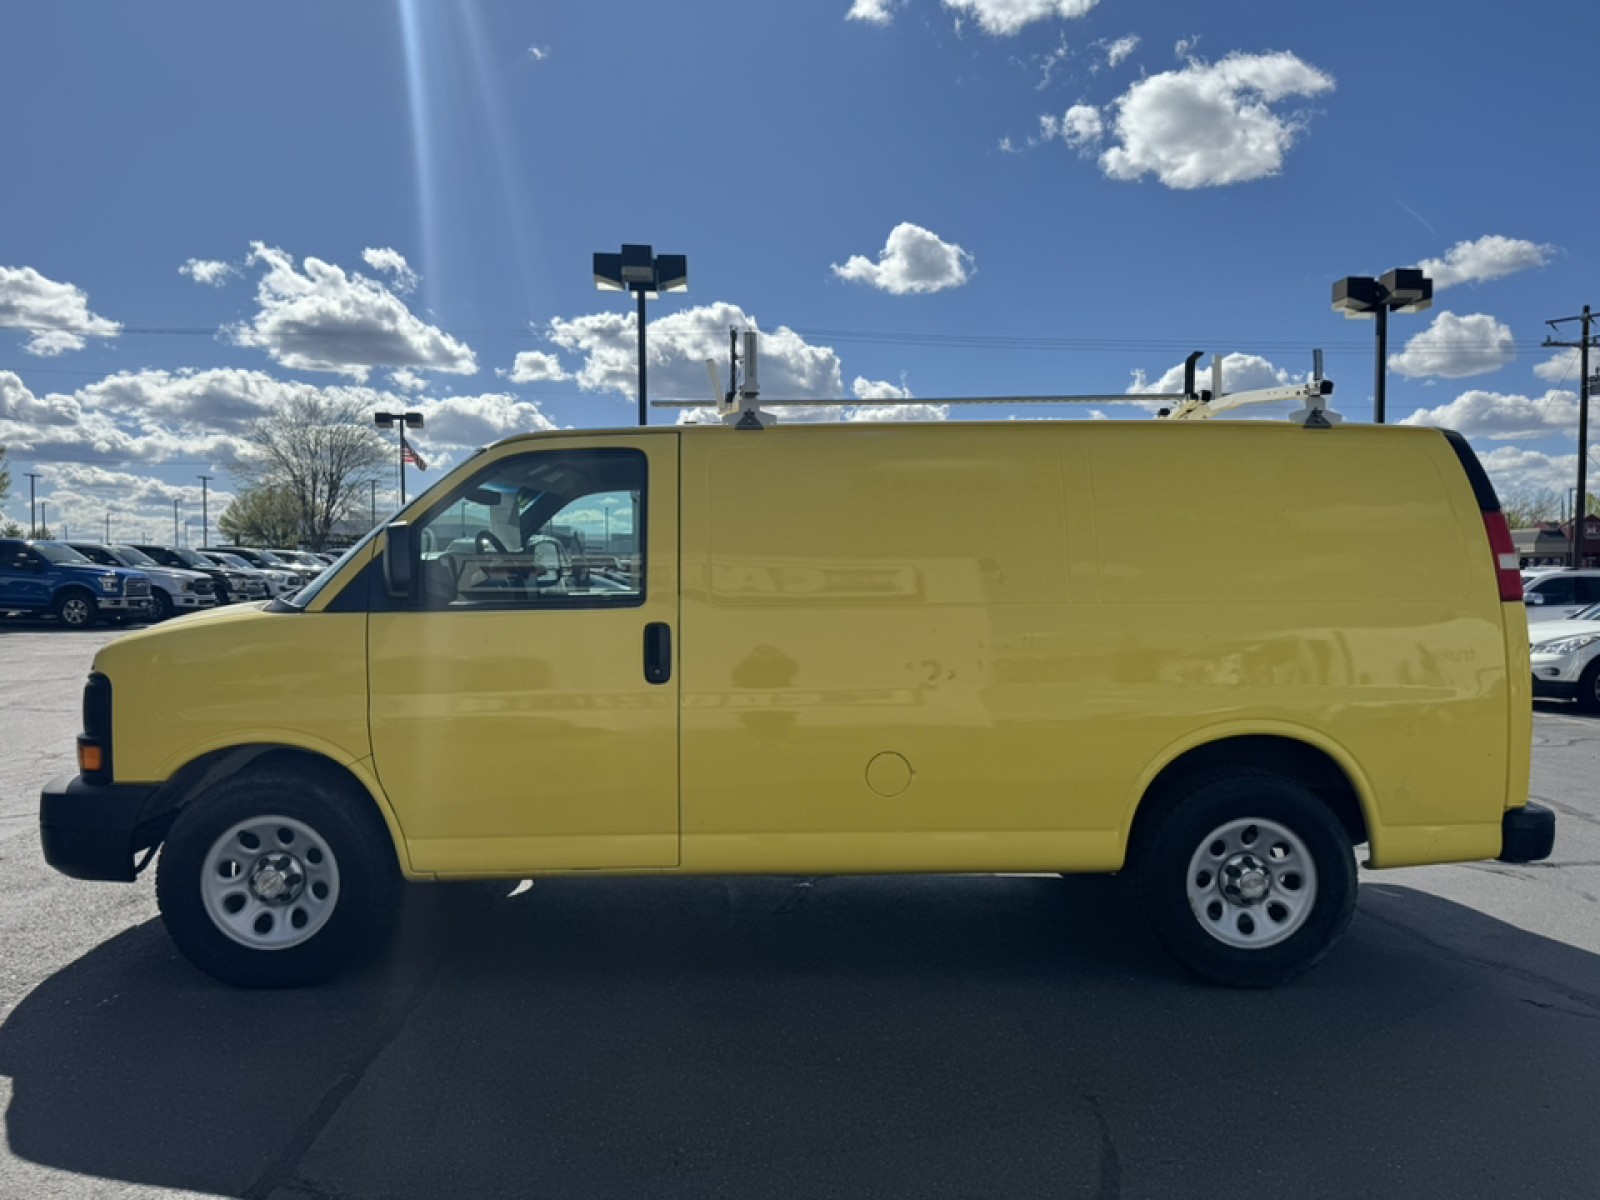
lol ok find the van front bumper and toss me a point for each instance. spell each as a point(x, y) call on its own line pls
point(93, 830)
point(1527, 834)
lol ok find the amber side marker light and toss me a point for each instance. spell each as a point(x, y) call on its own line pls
point(90, 759)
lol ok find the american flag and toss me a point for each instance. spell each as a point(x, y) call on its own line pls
point(410, 456)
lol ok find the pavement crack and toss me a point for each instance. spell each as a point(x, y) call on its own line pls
point(281, 1171)
point(1578, 995)
point(1571, 1012)
point(1110, 1162)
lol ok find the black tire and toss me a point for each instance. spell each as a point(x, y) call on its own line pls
point(164, 605)
point(77, 609)
point(1183, 832)
point(1588, 696)
point(358, 848)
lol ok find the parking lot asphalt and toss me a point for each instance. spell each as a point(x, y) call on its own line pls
point(774, 1037)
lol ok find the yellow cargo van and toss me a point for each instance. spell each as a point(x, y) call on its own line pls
point(1217, 656)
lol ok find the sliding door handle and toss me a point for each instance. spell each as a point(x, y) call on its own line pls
point(657, 652)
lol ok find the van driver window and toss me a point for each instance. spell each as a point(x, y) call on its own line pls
point(548, 529)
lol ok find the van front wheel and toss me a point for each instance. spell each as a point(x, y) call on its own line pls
point(274, 880)
point(1247, 880)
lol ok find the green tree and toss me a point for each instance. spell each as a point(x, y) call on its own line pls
point(261, 515)
point(321, 452)
point(5, 476)
point(12, 529)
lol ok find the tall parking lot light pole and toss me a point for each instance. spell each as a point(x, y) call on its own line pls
point(1360, 297)
point(205, 515)
point(33, 508)
point(175, 540)
point(638, 269)
point(402, 421)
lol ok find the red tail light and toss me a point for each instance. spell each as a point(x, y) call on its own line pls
point(1507, 565)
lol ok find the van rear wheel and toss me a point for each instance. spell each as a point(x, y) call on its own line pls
point(275, 880)
point(1248, 880)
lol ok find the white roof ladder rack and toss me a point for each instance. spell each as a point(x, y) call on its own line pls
point(739, 406)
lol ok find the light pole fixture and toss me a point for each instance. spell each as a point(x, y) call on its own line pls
point(402, 422)
point(1359, 297)
point(205, 515)
point(33, 507)
point(640, 270)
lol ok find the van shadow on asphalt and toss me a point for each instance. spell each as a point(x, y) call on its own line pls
point(772, 1037)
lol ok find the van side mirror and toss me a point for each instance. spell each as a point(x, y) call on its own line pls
point(399, 561)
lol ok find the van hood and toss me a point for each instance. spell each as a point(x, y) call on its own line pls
point(144, 641)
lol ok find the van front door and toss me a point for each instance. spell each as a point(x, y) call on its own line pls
point(524, 704)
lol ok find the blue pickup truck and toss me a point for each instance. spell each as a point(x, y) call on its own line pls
point(52, 577)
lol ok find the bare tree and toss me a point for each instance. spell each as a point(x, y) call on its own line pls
point(1526, 506)
point(320, 451)
point(5, 476)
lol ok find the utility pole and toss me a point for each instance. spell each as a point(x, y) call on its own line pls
point(108, 527)
point(1580, 506)
point(175, 521)
point(33, 510)
point(205, 516)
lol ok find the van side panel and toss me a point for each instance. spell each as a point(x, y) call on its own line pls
point(962, 648)
point(878, 653)
point(1339, 579)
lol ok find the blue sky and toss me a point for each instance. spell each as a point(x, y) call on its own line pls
point(395, 199)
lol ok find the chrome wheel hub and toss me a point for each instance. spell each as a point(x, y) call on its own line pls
point(1252, 883)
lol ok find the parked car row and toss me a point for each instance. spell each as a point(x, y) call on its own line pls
point(82, 583)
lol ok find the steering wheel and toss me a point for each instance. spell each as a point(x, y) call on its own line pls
point(483, 535)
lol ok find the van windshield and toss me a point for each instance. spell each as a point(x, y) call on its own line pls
point(314, 589)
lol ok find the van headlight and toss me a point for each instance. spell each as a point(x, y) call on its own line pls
point(1569, 645)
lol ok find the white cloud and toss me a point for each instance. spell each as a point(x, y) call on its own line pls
point(1211, 124)
point(881, 389)
point(56, 314)
point(210, 271)
point(90, 444)
point(874, 12)
point(1565, 365)
point(1514, 468)
point(1081, 125)
point(394, 263)
point(1499, 417)
point(679, 344)
point(407, 380)
point(538, 53)
point(1118, 51)
point(323, 319)
point(534, 366)
point(913, 260)
point(1487, 258)
point(1006, 17)
point(1185, 46)
point(1454, 347)
point(467, 422)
